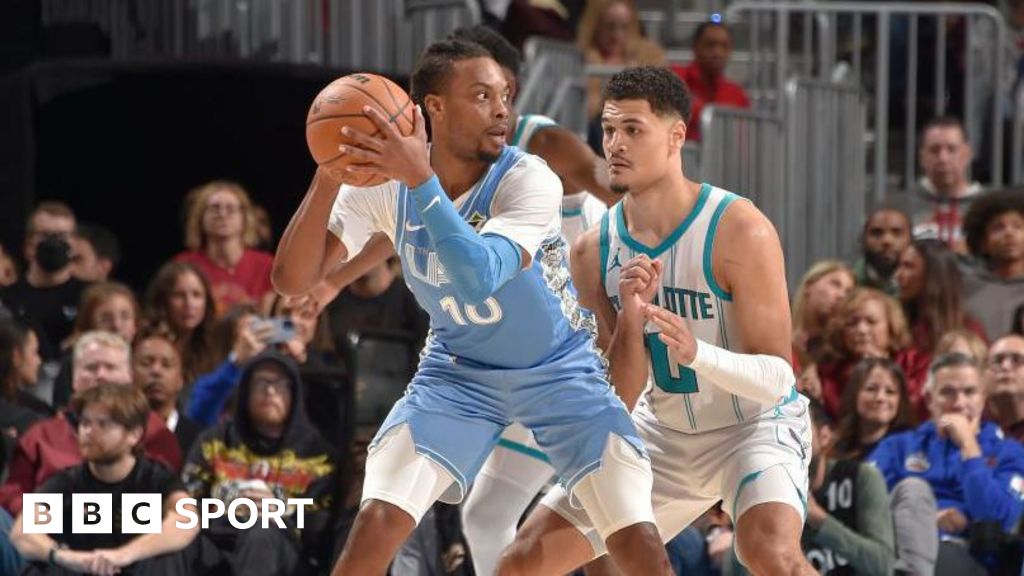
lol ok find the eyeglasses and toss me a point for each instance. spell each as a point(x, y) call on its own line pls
point(225, 208)
point(263, 385)
point(1016, 359)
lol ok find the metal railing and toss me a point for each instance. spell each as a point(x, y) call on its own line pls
point(816, 34)
point(553, 84)
point(1017, 146)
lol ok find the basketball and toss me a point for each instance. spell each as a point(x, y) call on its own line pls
point(340, 104)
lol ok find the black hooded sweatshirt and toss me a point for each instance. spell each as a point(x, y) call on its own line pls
point(233, 456)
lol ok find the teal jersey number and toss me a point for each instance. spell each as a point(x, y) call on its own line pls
point(668, 375)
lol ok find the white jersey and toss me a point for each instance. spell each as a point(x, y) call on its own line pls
point(580, 211)
point(675, 396)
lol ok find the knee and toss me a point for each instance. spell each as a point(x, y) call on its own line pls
point(913, 490)
point(516, 561)
point(771, 558)
point(380, 515)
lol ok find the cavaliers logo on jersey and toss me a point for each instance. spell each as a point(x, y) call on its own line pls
point(917, 462)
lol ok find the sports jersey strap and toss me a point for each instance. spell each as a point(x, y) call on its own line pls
point(604, 241)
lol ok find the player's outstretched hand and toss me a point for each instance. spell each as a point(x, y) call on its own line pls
point(682, 346)
point(638, 282)
point(402, 158)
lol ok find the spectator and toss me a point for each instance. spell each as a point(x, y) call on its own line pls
point(822, 290)
point(312, 345)
point(994, 228)
point(19, 370)
point(964, 342)
point(943, 194)
point(1004, 384)
point(886, 234)
point(107, 306)
point(220, 232)
point(51, 445)
point(179, 297)
point(111, 426)
point(268, 450)
point(931, 291)
point(705, 76)
point(376, 300)
point(524, 18)
point(849, 525)
point(8, 269)
point(47, 297)
point(973, 471)
point(609, 33)
point(96, 253)
point(264, 229)
point(875, 405)
point(156, 370)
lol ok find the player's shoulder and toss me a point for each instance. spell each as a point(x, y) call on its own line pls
point(531, 169)
point(587, 246)
point(743, 221)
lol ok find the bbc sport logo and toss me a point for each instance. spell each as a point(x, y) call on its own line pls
point(143, 513)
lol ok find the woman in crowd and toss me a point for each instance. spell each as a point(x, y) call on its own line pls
point(820, 293)
point(179, 297)
point(19, 371)
point(875, 404)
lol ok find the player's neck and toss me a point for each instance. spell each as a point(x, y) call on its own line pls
point(225, 251)
point(457, 175)
point(660, 208)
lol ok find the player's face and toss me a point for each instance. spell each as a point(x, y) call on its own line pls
point(474, 110)
point(910, 274)
point(878, 400)
point(102, 440)
point(957, 390)
point(640, 146)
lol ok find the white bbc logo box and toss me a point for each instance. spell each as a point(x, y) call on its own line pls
point(92, 513)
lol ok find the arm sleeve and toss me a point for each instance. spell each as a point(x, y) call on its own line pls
point(211, 391)
point(995, 494)
point(359, 212)
point(870, 549)
point(476, 265)
point(760, 377)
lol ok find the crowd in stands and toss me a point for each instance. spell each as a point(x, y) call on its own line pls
point(199, 384)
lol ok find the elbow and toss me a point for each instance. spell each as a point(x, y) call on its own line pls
point(473, 291)
point(287, 283)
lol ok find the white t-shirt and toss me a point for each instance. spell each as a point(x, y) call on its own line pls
point(525, 208)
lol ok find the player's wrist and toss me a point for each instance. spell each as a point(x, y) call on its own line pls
point(419, 178)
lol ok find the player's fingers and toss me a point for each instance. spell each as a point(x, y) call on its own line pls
point(636, 273)
point(370, 168)
point(362, 139)
point(658, 267)
point(359, 153)
point(386, 128)
point(419, 124)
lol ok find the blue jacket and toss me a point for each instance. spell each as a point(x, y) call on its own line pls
point(983, 489)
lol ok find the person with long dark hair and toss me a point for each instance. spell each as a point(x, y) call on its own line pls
point(875, 404)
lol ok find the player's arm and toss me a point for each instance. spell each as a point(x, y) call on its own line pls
point(32, 547)
point(307, 249)
point(585, 266)
point(376, 251)
point(748, 263)
point(574, 162)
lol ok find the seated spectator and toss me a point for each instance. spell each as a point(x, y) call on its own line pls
point(1004, 384)
point(156, 370)
point(8, 269)
point(312, 346)
point(11, 561)
point(48, 295)
point(965, 342)
point(609, 33)
point(268, 450)
point(521, 19)
point(875, 405)
point(108, 306)
point(19, 371)
point(849, 525)
point(705, 76)
point(95, 253)
point(886, 234)
point(264, 230)
point(220, 232)
point(51, 445)
point(820, 293)
point(868, 324)
point(994, 228)
point(111, 425)
point(974, 472)
point(939, 200)
point(179, 297)
point(931, 291)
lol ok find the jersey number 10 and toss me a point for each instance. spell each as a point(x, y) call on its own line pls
point(669, 375)
point(492, 316)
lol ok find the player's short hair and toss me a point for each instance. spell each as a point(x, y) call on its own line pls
point(503, 52)
point(102, 240)
point(659, 86)
point(984, 210)
point(942, 122)
point(704, 27)
point(435, 65)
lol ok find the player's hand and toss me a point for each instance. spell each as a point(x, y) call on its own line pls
point(402, 158)
point(682, 346)
point(638, 283)
point(951, 521)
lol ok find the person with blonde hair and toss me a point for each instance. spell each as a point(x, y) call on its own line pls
point(963, 341)
point(820, 293)
point(221, 231)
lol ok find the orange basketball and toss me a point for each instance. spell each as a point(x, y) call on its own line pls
point(341, 104)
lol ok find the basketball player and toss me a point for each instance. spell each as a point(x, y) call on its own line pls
point(688, 284)
point(509, 342)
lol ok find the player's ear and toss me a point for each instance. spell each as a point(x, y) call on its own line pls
point(677, 134)
point(433, 105)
